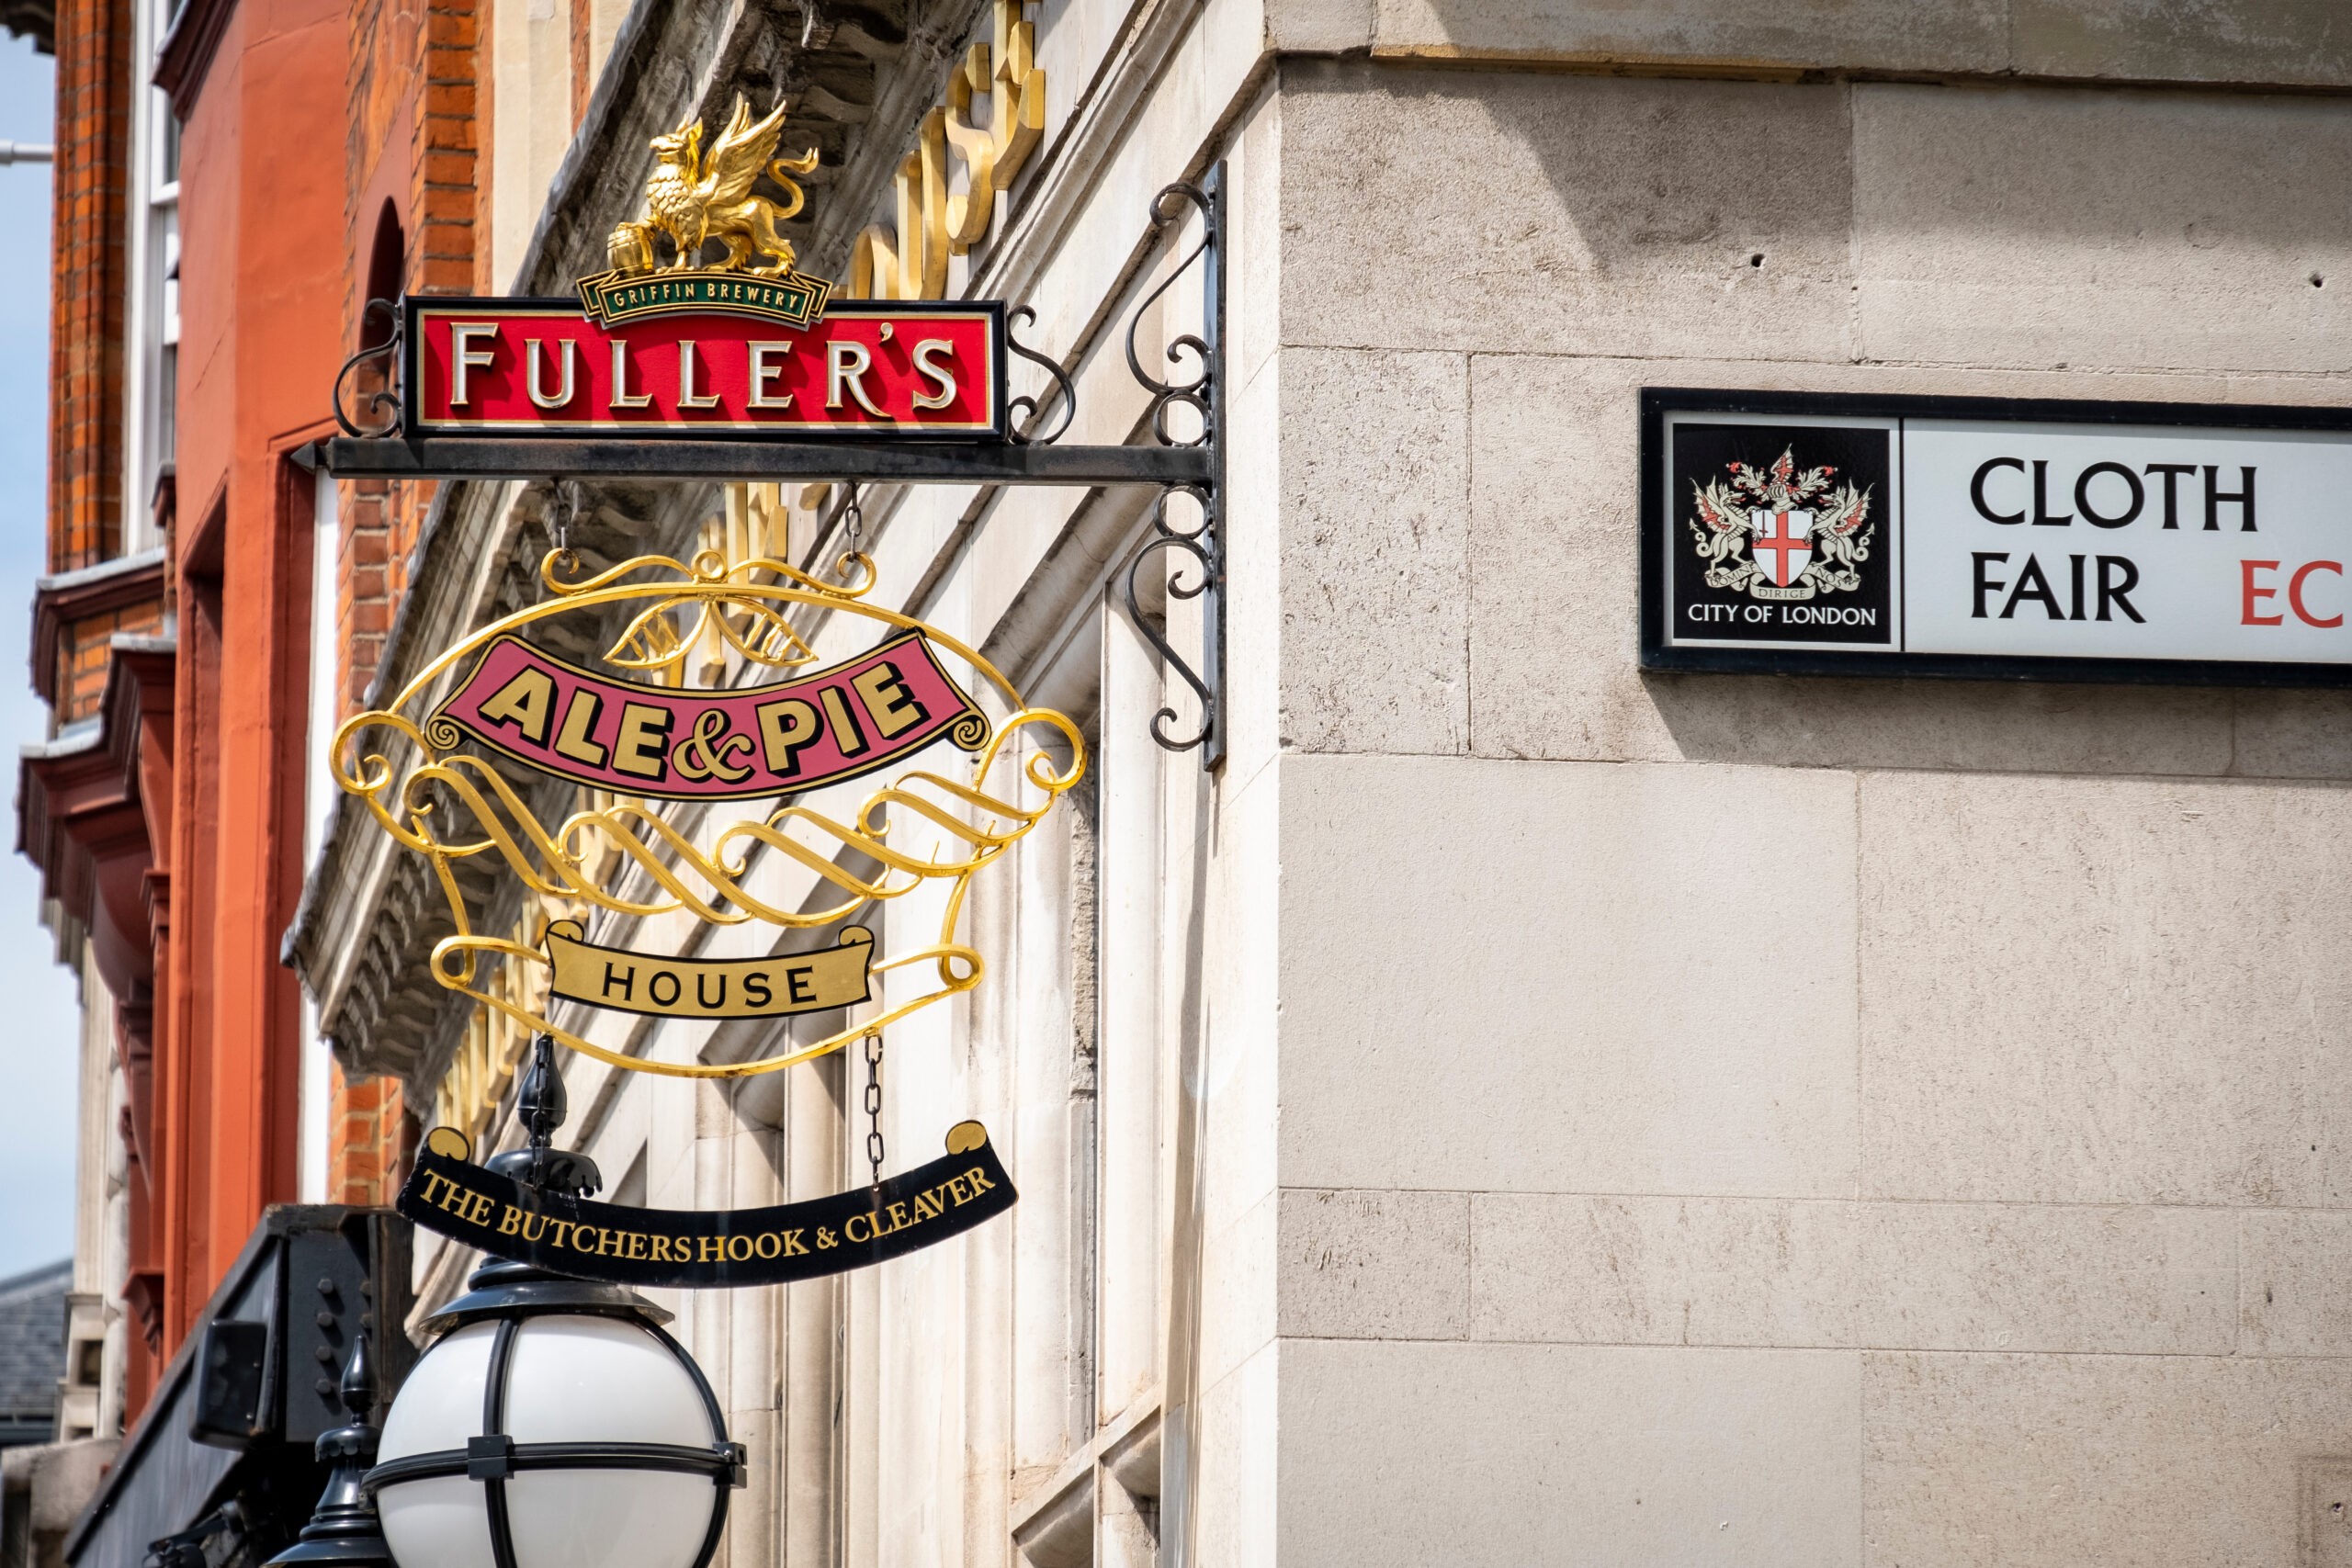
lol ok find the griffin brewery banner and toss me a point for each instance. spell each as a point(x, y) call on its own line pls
point(1805, 533)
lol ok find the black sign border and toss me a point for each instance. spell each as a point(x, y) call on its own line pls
point(1657, 402)
point(414, 426)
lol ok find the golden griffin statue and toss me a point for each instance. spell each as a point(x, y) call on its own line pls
point(696, 196)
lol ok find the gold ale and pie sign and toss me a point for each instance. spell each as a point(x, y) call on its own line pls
point(787, 804)
point(938, 790)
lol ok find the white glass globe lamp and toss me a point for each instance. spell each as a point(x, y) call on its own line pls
point(554, 1423)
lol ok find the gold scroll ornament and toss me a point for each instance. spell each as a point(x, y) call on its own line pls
point(438, 795)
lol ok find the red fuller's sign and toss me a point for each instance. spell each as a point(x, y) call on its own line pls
point(865, 368)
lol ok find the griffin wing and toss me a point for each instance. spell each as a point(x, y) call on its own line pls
point(742, 151)
point(1718, 508)
point(1849, 509)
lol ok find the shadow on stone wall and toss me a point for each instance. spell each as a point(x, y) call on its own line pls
point(2002, 728)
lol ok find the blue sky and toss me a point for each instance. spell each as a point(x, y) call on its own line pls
point(37, 1047)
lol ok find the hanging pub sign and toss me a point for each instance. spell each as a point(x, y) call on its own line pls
point(711, 692)
point(672, 340)
point(710, 768)
point(429, 773)
point(431, 768)
point(1801, 533)
point(497, 1214)
point(662, 344)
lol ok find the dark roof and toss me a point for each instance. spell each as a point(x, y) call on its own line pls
point(32, 1348)
point(35, 20)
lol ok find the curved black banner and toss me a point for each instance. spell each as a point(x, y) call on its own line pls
point(698, 1249)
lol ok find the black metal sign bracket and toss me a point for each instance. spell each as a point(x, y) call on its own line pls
point(1185, 417)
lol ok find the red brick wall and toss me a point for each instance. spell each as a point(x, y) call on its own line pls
point(87, 280)
point(442, 203)
point(82, 656)
point(366, 1151)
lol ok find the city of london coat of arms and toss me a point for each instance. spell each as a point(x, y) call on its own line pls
point(1782, 535)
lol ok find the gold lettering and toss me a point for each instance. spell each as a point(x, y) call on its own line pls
point(980, 1183)
point(644, 737)
point(927, 1204)
point(897, 1217)
point(468, 358)
point(888, 704)
point(792, 1247)
point(579, 721)
point(636, 1244)
point(511, 1221)
point(942, 378)
point(850, 1230)
point(569, 351)
point(687, 397)
point(714, 1249)
point(785, 726)
point(847, 739)
point(768, 1245)
point(622, 396)
point(957, 1190)
point(524, 703)
point(911, 264)
point(763, 371)
point(610, 1244)
point(735, 1257)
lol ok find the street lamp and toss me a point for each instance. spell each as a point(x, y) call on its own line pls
point(554, 1423)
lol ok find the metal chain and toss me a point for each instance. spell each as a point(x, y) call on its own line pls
point(852, 517)
point(566, 501)
point(874, 1104)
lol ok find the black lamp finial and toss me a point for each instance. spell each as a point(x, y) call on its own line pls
point(540, 1105)
point(343, 1532)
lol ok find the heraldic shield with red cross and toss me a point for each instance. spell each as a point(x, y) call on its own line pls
point(1779, 536)
point(1784, 542)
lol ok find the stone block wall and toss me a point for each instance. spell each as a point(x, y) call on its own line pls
point(1772, 1120)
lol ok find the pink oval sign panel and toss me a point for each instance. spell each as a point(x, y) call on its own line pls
point(836, 723)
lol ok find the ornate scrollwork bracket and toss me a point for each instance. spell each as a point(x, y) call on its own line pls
point(1192, 395)
point(374, 418)
point(1032, 411)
